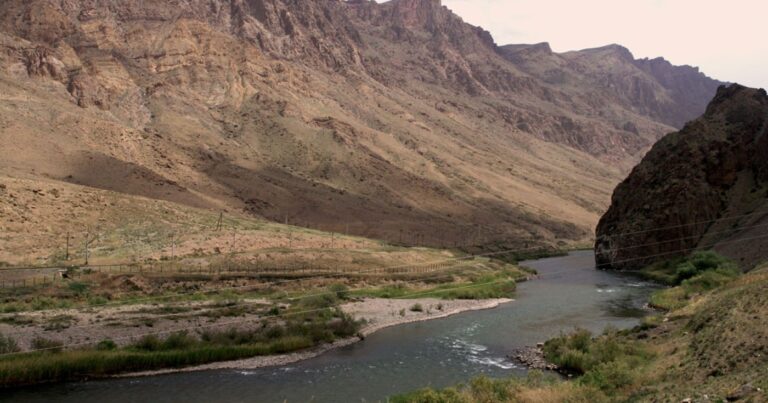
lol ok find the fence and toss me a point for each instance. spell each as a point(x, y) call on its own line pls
point(31, 277)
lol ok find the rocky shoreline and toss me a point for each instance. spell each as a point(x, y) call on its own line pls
point(532, 357)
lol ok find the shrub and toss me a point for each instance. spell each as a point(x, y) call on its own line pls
point(417, 308)
point(149, 342)
point(47, 345)
point(610, 376)
point(274, 311)
point(318, 301)
point(675, 271)
point(78, 288)
point(702, 272)
point(580, 353)
point(178, 341)
point(8, 345)
point(701, 262)
point(106, 345)
point(59, 322)
point(341, 291)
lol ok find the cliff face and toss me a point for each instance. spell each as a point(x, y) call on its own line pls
point(377, 117)
point(703, 187)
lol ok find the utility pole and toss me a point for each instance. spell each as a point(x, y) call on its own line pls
point(87, 236)
point(66, 258)
point(219, 222)
point(173, 246)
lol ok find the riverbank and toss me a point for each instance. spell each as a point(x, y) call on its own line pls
point(398, 359)
point(707, 345)
point(378, 313)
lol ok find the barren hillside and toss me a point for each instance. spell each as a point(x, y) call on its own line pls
point(394, 120)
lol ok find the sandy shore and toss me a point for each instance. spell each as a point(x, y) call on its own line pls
point(379, 313)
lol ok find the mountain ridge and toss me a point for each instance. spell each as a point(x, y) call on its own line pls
point(329, 114)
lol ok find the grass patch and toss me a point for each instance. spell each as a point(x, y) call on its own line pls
point(75, 365)
point(536, 387)
point(608, 362)
point(175, 351)
point(699, 273)
point(311, 321)
point(673, 272)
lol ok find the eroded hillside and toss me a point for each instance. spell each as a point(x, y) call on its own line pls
point(394, 120)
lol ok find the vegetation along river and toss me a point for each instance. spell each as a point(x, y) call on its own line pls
point(569, 294)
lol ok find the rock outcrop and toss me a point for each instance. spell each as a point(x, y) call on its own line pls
point(703, 187)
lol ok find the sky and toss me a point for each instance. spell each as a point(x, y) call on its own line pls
point(726, 39)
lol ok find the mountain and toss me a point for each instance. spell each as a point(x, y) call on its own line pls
point(395, 120)
point(703, 187)
point(649, 87)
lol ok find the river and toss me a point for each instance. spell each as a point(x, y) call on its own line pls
point(438, 353)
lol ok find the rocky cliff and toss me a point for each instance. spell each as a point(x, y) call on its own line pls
point(705, 187)
point(384, 119)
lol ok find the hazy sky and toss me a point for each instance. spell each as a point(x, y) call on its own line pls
point(727, 39)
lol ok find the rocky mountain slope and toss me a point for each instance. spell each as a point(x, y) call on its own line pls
point(703, 187)
point(394, 120)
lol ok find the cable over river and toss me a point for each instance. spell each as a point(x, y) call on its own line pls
point(438, 353)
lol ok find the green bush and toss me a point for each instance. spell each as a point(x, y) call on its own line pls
point(610, 376)
point(318, 301)
point(701, 262)
point(341, 291)
point(417, 308)
point(579, 353)
point(106, 345)
point(675, 271)
point(34, 368)
point(78, 288)
point(701, 272)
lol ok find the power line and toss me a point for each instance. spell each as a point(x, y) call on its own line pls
point(401, 297)
point(688, 225)
point(382, 269)
point(611, 235)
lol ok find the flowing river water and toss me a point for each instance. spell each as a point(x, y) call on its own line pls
point(570, 293)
